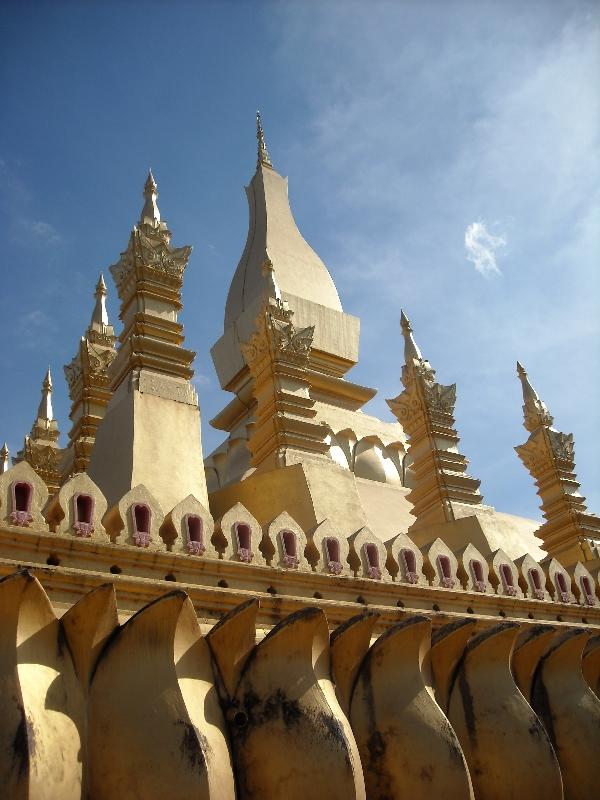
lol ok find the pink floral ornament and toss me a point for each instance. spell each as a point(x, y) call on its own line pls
point(195, 548)
point(83, 529)
point(21, 518)
point(245, 555)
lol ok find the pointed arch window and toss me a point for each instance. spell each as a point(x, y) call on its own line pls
point(22, 495)
point(508, 583)
point(289, 547)
point(562, 588)
point(445, 571)
point(83, 514)
point(371, 552)
point(243, 536)
point(535, 581)
point(479, 582)
point(587, 591)
point(194, 529)
point(332, 555)
point(142, 517)
point(409, 562)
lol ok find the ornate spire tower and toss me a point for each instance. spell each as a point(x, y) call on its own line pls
point(89, 385)
point(152, 422)
point(278, 355)
point(40, 448)
point(549, 455)
point(442, 491)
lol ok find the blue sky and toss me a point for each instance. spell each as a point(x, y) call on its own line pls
point(443, 157)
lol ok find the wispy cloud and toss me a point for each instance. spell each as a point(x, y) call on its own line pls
point(35, 329)
point(201, 380)
point(481, 247)
point(43, 231)
point(416, 172)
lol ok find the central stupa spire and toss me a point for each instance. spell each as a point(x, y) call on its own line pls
point(302, 277)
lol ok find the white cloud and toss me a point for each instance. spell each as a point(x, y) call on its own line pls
point(495, 120)
point(201, 380)
point(45, 231)
point(481, 246)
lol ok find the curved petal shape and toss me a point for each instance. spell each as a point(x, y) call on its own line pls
point(529, 647)
point(447, 647)
point(506, 747)
point(571, 713)
point(156, 729)
point(591, 664)
point(231, 642)
point(41, 704)
point(349, 645)
point(290, 736)
point(87, 625)
point(407, 745)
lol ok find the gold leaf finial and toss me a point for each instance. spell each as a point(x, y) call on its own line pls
point(263, 153)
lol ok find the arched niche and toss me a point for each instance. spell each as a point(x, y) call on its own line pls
point(77, 509)
point(288, 542)
point(532, 578)
point(23, 495)
point(440, 565)
point(368, 556)
point(189, 528)
point(473, 571)
point(584, 586)
point(504, 575)
point(559, 581)
point(329, 550)
point(136, 520)
point(405, 560)
point(238, 536)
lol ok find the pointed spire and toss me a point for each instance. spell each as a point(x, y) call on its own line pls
point(4, 458)
point(411, 350)
point(150, 213)
point(442, 491)
point(100, 314)
point(535, 411)
point(45, 411)
point(549, 456)
point(529, 393)
point(263, 153)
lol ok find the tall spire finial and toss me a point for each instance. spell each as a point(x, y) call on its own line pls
point(263, 153)
point(4, 458)
point(411, 350)
point(150, 213)
point(535, 411)
point(100, 314)
point(45, 411)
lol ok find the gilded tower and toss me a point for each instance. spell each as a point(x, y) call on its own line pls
point(152, 415)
